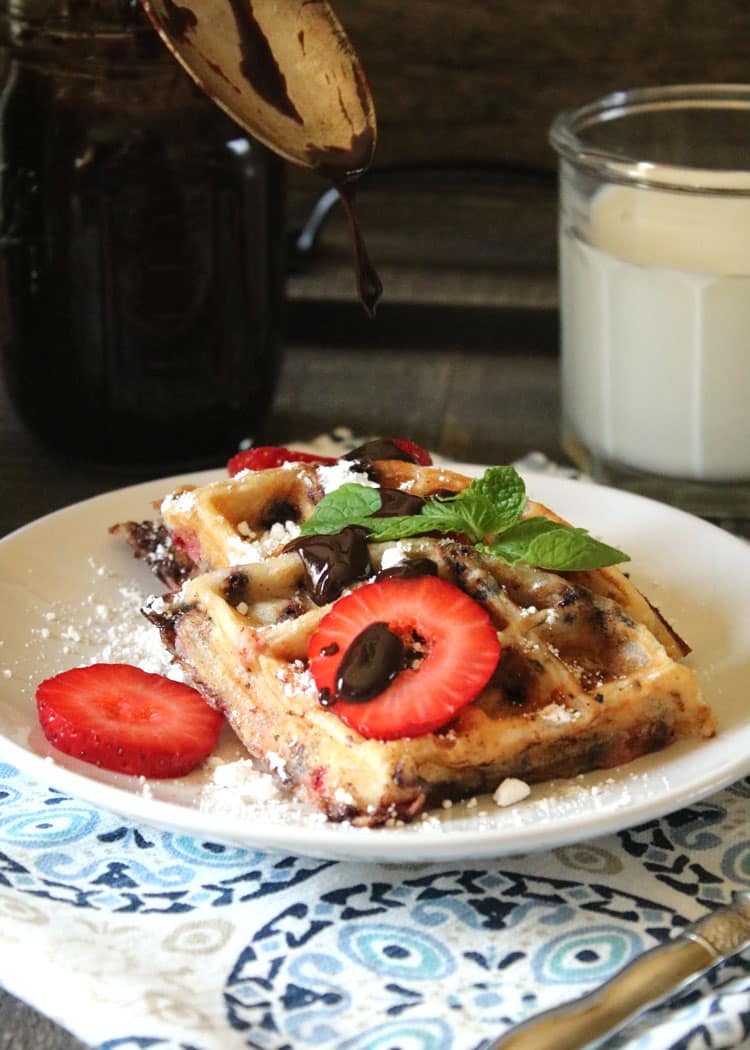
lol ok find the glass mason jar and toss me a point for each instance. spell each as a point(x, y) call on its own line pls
point(141, 244)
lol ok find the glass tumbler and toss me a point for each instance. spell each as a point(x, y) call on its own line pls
point(654, 243)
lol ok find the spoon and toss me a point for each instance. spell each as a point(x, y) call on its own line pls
point(286, 72)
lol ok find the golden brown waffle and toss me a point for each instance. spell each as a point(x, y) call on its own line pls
point(584, 681)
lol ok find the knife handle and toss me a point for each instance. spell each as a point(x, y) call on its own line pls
point(642, 983)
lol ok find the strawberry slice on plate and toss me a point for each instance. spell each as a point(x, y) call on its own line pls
point(127, 720)
point(400, 657)
point(266, 456)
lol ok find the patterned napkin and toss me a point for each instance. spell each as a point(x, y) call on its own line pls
point(134, 937)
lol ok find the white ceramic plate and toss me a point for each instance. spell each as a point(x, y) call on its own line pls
point(70, 594)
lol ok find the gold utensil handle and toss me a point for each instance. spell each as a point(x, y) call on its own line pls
point(657, 973)
point(583, 1022)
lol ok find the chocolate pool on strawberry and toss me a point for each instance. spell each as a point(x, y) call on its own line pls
point(401, 657)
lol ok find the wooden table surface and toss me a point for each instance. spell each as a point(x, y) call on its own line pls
point(488, 394)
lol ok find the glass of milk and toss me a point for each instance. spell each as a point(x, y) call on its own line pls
point(655, 292)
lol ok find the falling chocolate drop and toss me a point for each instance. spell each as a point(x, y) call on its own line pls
point(369, 285)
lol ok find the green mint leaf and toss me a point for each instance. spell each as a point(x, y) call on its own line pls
point(552, 545)
point(491, 504)
point(572, 549)
point(442, 515)
point(396, 528)
point(434, 517)
point(347, 505)
point(514, 543)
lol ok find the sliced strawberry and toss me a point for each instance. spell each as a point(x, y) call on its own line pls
point(265, 456)
point(389, 448)
point(416, 452)
point(447, 653)
point(127, 720)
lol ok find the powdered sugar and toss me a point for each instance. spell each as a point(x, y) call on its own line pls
point(342, 473)
point(101, 629)
point(297, 680)
point(236, 787)
point(183, 502)
point(558, 714)
point(251, 552)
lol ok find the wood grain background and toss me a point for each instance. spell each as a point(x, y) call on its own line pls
point(475, 85)
point(483, 80)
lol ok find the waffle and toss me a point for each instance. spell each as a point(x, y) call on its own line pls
point(588, 677)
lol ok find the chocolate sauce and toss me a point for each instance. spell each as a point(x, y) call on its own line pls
point(332, 562)
point(395, 503)
point(409, 569)
point(372, 660)
point(379, 448)
point(258, 65)
point(369, 285)
point(178, 21)
point(342, 168)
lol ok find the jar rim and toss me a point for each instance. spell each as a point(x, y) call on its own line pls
point(568, 137)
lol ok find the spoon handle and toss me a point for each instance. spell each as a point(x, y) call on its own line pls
point(663, 970)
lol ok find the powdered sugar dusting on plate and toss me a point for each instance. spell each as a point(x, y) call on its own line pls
point(103, 627)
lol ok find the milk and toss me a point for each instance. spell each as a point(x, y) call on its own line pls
point(656, 331)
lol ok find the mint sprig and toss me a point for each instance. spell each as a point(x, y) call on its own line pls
point(552, 545)
point(348, 505)
point(488, 513)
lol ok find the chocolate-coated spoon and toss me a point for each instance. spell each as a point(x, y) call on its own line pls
point(286, 72)
point(283, 69)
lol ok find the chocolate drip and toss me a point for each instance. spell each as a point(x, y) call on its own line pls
point(372, 660)
point(258, 65)
point(332, 562)
point(369, 285)
point(178, 21)
point(407, 570)
point(379, 448)
point(395, 503)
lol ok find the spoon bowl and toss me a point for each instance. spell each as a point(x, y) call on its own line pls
point(284, 70)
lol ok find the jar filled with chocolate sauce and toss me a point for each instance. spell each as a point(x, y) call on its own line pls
point(141, 244)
